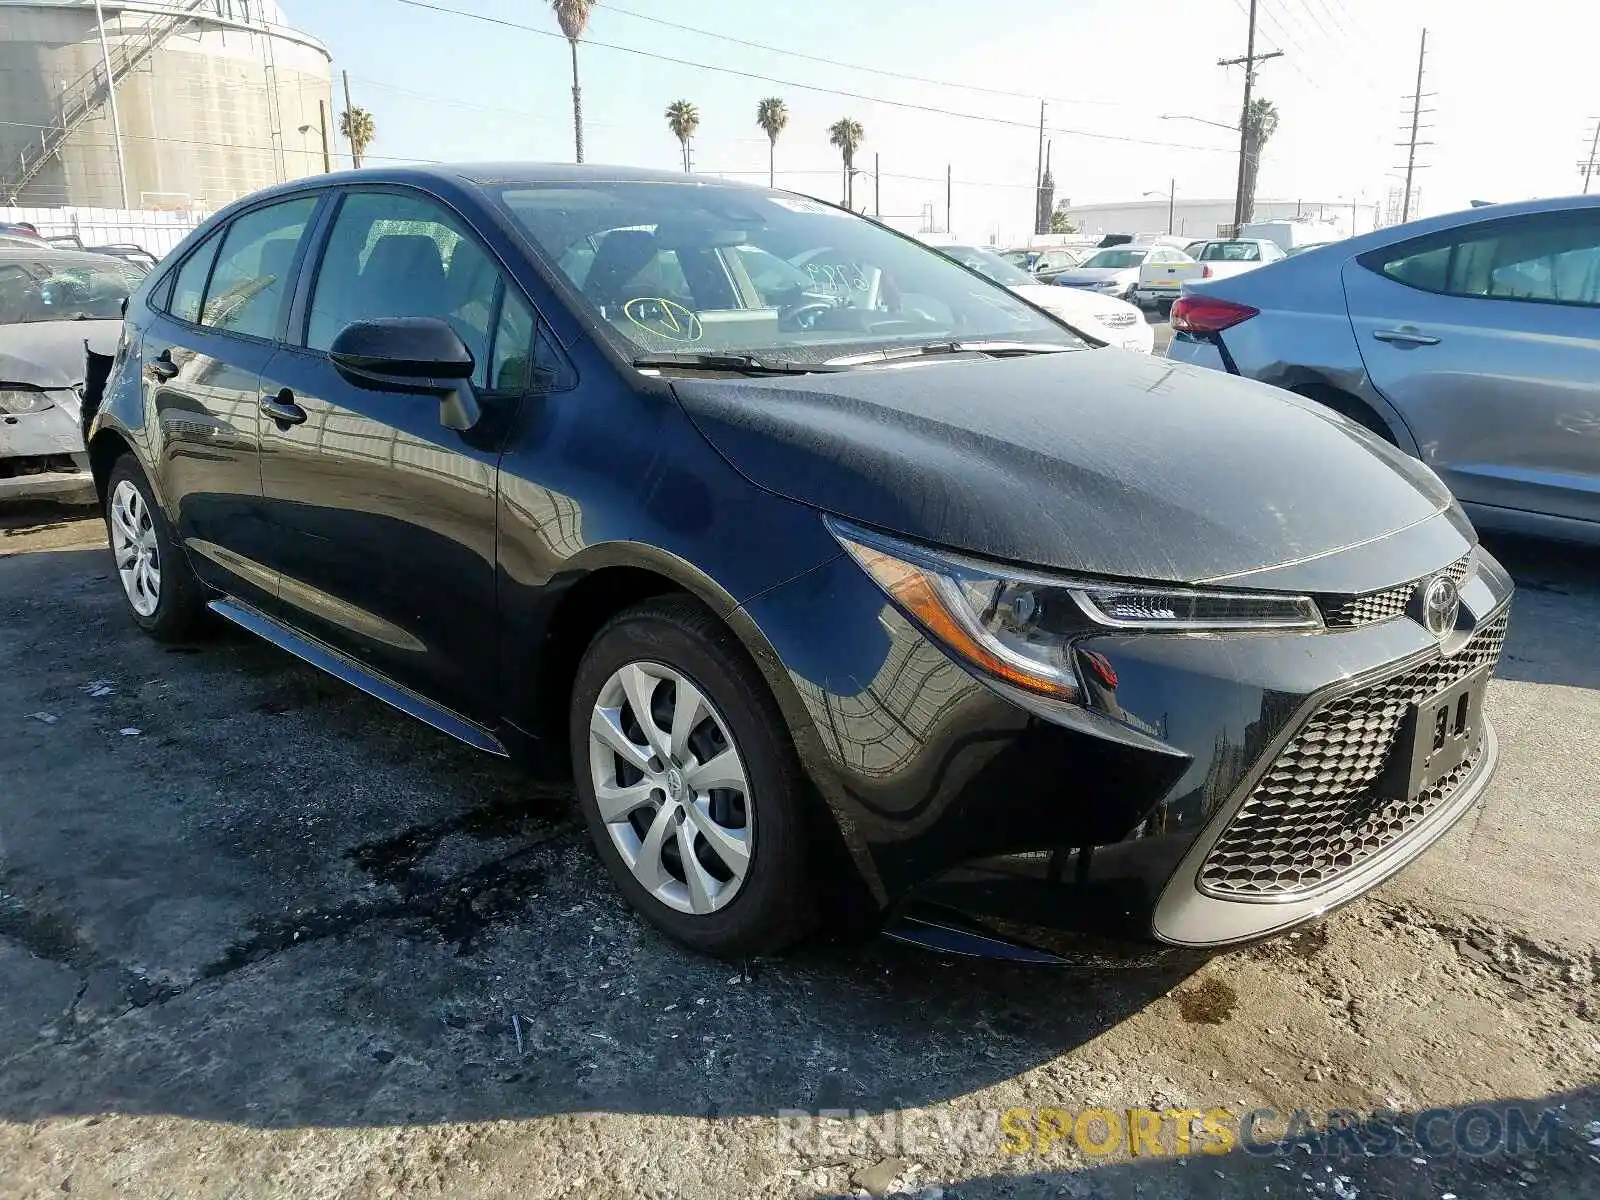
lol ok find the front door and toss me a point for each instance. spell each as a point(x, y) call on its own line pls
point(1487, 341)
point(201, 357)
point(386, 517)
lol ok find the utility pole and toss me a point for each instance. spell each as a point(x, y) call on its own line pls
point(322, 123)
point(1172, 202)
point(1249, 61)
point(355, 159)
point(1416, 126)
point(1593, 165)
point(949, 187)
point(1038, 182)
point(111, 94)
point(877, 184)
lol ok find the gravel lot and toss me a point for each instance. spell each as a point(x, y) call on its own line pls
point(261, 936)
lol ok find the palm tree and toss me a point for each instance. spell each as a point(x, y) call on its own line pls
point(772, 114)
point(847, 134)
point(1260, 123)
point(683, 118)
point(573, 17)
point(359, 130)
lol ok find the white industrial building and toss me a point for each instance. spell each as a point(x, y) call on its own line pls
point(1204, 218)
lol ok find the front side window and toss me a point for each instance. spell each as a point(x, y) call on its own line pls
point(665, 267)
point(36, 287)
point(251, 278)
point(1550, 259)
point(396, 255)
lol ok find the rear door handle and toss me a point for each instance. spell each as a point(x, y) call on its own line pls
point(1406, 335)
point(280, 406)
point(162, 366)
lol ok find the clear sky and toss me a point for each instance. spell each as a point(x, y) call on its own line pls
point(1516, 86)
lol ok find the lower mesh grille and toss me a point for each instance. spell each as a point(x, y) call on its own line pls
point(1314, 815)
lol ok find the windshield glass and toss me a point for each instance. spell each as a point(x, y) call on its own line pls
point(34, 290)
point(1231, 252)
point(1115, 258)
point(714, 270)
point(986, 263)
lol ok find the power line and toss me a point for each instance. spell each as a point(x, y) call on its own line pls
point(1592, 166)
point(811, 87)
point(833, 62)
point(172, 141)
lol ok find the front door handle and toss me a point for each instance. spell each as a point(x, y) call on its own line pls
point(1406, 335)
point(280, 406)
point(162, 366)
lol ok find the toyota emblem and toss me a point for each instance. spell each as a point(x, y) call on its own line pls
point(1441, 604)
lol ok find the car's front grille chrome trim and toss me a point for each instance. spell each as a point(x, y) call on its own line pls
point(1314, 815)
point(1344, 612)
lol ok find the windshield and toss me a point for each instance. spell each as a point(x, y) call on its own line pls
point(986, 263)
point(704, 269)
point(1114, 258)
point(34, 290)
point(1231, 252)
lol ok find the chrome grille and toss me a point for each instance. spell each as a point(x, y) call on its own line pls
point(1387, 604)
point(1116, 320)
point(1314, 815)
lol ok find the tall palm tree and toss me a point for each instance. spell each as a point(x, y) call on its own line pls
point(1260, 123)
point(772, 114)
point(683, 118)
point(573, 17)
point(847, 134)
point(359, 130)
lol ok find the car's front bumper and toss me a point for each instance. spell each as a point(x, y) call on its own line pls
point(1093, 826)
point(65, 478)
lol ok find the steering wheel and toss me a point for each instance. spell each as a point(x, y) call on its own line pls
point(804, 315)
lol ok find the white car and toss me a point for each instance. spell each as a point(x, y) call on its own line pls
point(1103, 318)
point(1216, 259)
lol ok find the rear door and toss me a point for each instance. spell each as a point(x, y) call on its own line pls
point(1487, 341)
point(214, 328)
point(386, 519)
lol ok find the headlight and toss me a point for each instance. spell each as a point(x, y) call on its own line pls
point(14, 402)
point(1019, 626)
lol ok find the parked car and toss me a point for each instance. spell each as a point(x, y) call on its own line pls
point(1045, 264)
point(52, 302)
point(882, 589)
point(1102, 318)
point(1218, 260)
point(127, 251)
point(1471, 340)
point(1161, 277)
point(1111, 272)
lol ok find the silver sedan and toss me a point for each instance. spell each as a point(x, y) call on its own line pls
point(1470, 340)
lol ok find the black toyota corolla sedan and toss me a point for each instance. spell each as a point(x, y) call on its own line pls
point(823, 564)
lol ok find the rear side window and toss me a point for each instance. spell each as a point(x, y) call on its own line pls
point(252, 273)
point(1551, 258)
point(189, 288)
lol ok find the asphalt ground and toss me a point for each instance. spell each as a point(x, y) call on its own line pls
point(262, 936)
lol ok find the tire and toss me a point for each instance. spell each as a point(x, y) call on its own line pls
point(164, 597)
point(677, 643)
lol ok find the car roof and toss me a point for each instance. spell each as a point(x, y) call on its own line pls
point(44, 253)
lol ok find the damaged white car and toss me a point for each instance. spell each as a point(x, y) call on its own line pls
point(54, 306)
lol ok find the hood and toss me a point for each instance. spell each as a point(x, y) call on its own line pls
point(1080, 275)
point(1071, 304)
point(49, 354)
point(1110, 464)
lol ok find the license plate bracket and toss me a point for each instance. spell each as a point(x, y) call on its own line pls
point(1437, 735)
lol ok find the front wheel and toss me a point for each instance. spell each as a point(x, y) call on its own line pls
point(688, 781)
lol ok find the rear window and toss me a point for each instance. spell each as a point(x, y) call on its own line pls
point(1231, 252)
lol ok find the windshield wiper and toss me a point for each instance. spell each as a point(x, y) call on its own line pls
point(1000, 349)
point(743, 364)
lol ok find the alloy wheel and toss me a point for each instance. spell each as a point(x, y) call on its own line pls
point(671, 787)
point(133, 545)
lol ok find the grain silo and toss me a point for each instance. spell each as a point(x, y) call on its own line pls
point(212, 99)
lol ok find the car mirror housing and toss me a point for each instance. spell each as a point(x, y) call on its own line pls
point(420, 355)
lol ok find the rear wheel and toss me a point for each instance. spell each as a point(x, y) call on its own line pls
point(164, 597)
point(688, 781)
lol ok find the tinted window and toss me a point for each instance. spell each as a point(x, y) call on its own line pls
point(1231, 252)
point(397, 255)
point(511, 366)
point(189, 287)
point(1554, 259)
point(252, 274)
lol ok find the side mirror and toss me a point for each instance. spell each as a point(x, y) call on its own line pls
point(419, 355)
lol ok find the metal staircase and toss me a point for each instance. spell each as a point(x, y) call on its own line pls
point(90, 92)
